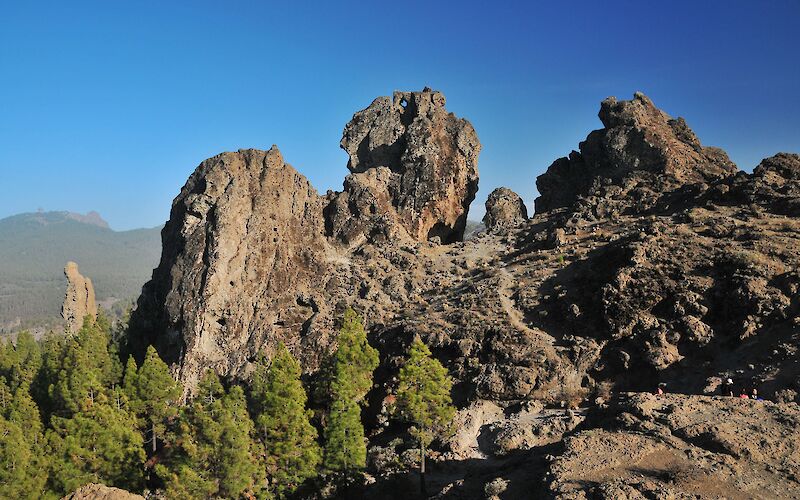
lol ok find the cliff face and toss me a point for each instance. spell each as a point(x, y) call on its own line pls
point(243, 254)
point(79, 301)
point(650, 259)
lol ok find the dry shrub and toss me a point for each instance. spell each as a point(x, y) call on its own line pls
point(603, 390)
point(566, 393)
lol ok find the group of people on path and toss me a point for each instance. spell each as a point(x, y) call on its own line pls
point(727, 389)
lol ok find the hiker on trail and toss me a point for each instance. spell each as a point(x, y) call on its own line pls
point(660, 390)
point(727, 387)
point(744, 395)
point(754, 394)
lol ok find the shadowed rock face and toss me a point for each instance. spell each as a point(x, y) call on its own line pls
point(640, 154)
point(79, 301)
point(414, 171)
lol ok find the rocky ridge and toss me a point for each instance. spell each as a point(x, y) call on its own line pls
point(650, 259)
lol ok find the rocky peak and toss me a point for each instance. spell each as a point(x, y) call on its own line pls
point(79, 301)
point(92, 218)
point(785, 165)
point(242, 253)
point(640, 154)
point(414, 172)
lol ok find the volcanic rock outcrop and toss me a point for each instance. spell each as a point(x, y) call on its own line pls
point(94, 491)
point(244, 252)
point(650, 259)
point(254, 256)
point(641, 154)
point(79, 301)
point(414, 172)
point(504, 208)
point(682, 447)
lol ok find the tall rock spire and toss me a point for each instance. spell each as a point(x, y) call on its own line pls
point(79, 301)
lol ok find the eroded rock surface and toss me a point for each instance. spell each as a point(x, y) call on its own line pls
point(79, 300)
point(682, 447)
point(414, 165)
point(94, 491)
point(504, 208)
point(650, 259)
point(626, 167)
point(244, 252)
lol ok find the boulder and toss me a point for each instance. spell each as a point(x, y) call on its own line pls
point(413, 165)
point(504, 208)
point(94, 491)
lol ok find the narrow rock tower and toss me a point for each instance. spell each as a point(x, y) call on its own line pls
point(79, 300)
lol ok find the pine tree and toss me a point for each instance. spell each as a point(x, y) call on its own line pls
point(282, 423)
point(52, 348)
point(129, 382)
point(20, 360)
point(99, 443)
point(351, 379)
point(24, 412)
point(239, 469)
point(86, 370)
point(153, 395)
point(423, 398)
point(22, 475)
point(23, 458)
point(212, 455)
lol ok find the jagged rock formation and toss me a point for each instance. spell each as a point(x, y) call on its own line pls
point(627, 166)
point(244, 252)
point(645, 262)
point(254, 256)
point(79, 301)
point(504, 208)
point(414, 171)
point(650, 259)
point(94, 491)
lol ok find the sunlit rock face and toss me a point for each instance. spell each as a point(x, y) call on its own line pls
point(414, 171)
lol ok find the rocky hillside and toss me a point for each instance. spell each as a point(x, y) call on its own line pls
point(34, 248)
point(650, 259)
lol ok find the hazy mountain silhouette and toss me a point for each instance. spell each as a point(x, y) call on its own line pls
point(34, 247)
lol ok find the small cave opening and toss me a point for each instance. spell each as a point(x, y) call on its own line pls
point(222, 322)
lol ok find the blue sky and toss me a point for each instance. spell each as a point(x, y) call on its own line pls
point(109, 106)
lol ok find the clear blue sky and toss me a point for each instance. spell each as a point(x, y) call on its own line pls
point(109, 106)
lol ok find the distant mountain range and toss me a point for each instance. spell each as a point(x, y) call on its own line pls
point(34, 247)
